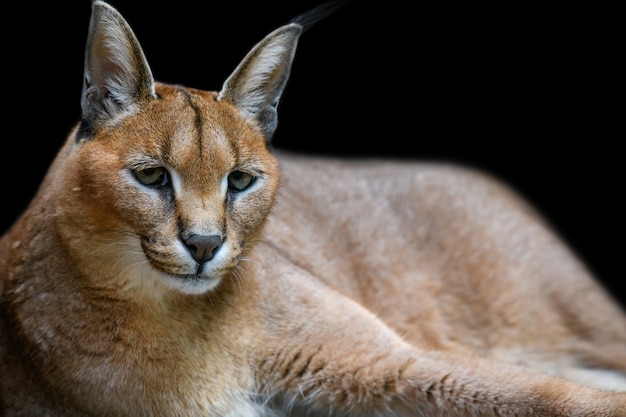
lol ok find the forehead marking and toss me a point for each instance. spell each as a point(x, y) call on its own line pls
point(198, 120)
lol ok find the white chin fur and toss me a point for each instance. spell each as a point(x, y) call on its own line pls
point(190, 285)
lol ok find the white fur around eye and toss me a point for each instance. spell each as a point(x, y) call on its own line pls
point(176, 181)
point(224, 184)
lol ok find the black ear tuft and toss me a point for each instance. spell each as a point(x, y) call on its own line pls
point(311, 17)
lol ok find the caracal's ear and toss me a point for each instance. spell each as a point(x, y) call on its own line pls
point(116, 75)
point(260, 78)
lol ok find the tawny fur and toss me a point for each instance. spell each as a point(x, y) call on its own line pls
point(336, 288)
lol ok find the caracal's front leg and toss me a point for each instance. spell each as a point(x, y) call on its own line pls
point(323, 354)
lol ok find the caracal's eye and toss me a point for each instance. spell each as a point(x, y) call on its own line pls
point(152, 177)
point(239, 180)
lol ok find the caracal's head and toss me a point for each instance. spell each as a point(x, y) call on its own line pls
point(162, 184)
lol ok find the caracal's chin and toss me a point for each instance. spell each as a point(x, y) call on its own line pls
point(154, 284)
point(190, 284)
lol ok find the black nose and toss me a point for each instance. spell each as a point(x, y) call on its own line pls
point(203, 248)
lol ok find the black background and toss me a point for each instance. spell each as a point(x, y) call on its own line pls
point(520, 90)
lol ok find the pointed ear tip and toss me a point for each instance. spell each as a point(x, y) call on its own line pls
point(99, 3)
point(295, 28)
point(102, 5)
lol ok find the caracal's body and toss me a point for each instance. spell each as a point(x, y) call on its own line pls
point(173, 264)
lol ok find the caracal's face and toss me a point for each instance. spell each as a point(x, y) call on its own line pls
point(178, 189)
